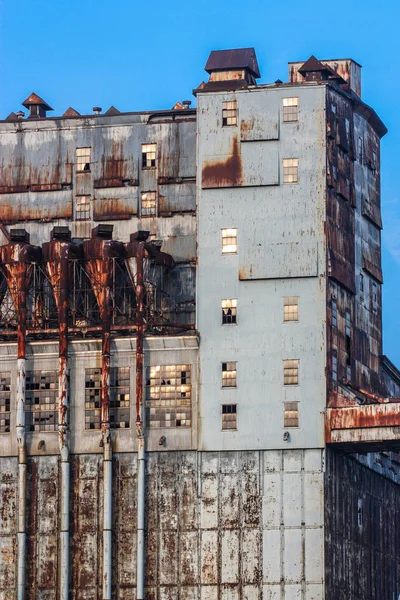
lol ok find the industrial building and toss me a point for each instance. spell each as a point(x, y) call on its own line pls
point(194, 399)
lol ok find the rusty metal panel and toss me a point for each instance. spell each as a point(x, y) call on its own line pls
point(115, 203)
point(177, 198)
point(361, 535)
point(36, 206)
point(258, 122)
point(8, 525)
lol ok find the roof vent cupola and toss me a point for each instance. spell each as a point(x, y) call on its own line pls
point(37, 107)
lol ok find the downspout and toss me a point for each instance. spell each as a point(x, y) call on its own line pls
point(17, 270)
point(57, 254)
point(21, 438)
point(139, 289)
point(99, 254)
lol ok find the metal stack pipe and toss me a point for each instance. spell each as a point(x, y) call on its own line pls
point(57, 254)
point(99, 253)
point(16, 263)
point(137, 250)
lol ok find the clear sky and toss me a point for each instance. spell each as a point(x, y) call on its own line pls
point(147, 55)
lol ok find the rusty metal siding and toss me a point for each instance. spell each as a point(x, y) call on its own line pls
point(8, 525)
point(361, 532)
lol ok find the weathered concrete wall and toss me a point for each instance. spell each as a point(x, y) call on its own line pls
point(220, 526)
point(362, 545)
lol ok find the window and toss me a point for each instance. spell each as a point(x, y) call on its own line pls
point(347, 126)
point(41, 400)
point(348, 323)
point(291, 414)
point(229, 374)
point(5, 402)
point(290, 309)
point(348, 345)
point(119, 398)
point(120, 393)
point(229, 412)
point(290, 109)
point(334, 313)
point(229, 113)
point(360, 150)
point(168, 396)
point(361, 282)
point(82, 208)
point(229, 308)
point(290, 170)
point(374, 297)
point(148, 156)
point(333, 108)
point(148, 204)
point(92, 398)
point(334, 367)
point(83, 159)
point(291, 372)
point(229, 241)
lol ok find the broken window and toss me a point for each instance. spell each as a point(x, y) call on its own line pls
point(41, 400)
point(148, 156)
point(148, 204)
point(229, 113)
point(168, 396)
point(348, 345)
point(83, 159)
point(229, 374)
point(291, 372)
point(290, 110)
point(334, 313)
point(5, 402)
point(291, 414)
point(290, 309)
point(92, 398)
point(82, 208)
point(334, 367)
point(360, 150)
point(119, 398)
point(229, 412)
point(374, 297)
point(120, 393)
point(290, 170)
point(229, 308)
point(229, 241)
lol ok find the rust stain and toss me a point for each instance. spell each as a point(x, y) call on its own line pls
point(224, 173)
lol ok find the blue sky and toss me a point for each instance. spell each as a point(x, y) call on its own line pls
point(147, 55)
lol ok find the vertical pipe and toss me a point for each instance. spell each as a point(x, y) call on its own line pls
point(105, 309)
point(63, 432)
point(139, 421)
point(21, 280)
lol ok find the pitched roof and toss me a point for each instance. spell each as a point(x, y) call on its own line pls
point(12, 117)
point(71, 112)
point(311, 65)
point(35, 99)
point(112, 111)
point(238, 58)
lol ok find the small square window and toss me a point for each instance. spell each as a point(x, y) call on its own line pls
point(290, 170)
point(291, 372)
point(82, 208)
point(229, 308)
point(148, 156)
point(229, 374)
point(334, 313)
point(229, 241)
point(83, 159)
point(291, 414)
point(229, 412)
point(229, 113)
point(290, 110)
point(290, 309)
point(148, 204)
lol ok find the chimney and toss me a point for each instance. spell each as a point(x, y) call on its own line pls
point(37, 107)
point(97, 110)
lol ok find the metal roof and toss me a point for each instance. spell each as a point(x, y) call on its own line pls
point(239, 58)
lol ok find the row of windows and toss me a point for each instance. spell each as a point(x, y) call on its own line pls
point(148, 206)
point(229, 373)
point(290, 111)
point(229, 310)
point(83, 158)
point(290, 415)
